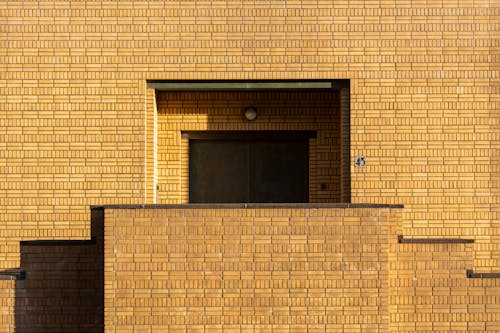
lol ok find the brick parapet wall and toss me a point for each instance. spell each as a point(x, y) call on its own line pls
point(247, 269)
point(287, 269)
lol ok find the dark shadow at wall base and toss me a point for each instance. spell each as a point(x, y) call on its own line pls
point(63, 289)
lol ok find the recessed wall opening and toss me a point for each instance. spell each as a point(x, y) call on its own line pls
point(258, 142)
point(249, 167)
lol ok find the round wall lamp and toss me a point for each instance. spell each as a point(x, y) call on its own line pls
point(250, 113)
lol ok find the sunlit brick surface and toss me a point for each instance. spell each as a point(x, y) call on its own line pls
point(429, 292)
point(299, 269)
point(78, 125)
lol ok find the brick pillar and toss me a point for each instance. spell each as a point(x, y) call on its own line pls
point(345, 139)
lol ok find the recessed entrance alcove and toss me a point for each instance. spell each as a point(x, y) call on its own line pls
point(249, 141)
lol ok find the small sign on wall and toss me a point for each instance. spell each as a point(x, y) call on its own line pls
point(360, 161)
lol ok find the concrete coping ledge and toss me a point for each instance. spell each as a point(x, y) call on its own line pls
point(476, 275)
point(13, 274)
point(402, 240)
point(238, 85)
point(59, 242)
point(252, 206)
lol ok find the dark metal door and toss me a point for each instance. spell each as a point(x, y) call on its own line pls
point(236, 171)
point(279, 171)
point(218, 172)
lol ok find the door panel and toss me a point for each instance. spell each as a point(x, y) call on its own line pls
point(218, 171)
point(237, 171)
point(279, 171)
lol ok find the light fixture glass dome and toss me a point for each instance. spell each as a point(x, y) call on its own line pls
point(250, 113)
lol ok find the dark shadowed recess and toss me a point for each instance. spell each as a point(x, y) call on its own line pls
point(63, 285)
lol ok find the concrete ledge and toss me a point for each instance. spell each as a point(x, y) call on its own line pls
point(13, 274)
point(249, 206)
point(402, 240)
point(475, 275)
point(59, 242)
point(237, 85)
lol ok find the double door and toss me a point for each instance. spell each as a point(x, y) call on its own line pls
point(249, 171)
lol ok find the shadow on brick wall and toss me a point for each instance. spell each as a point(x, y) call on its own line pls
point(63, 287)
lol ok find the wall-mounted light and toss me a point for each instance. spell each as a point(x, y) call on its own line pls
point(250, 113)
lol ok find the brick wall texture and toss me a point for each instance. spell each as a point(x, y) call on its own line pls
point(78, 125)
point(286, 270)
point(63, 290)
point(247, 270)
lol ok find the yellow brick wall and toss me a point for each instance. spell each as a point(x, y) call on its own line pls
point(74, 104)
point(286, 269)
point(429, 292)
point(281, 269)
point(222, 111)
point(423, 101)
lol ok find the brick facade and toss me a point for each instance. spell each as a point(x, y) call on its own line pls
point(79, 125)
point(246, 270)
